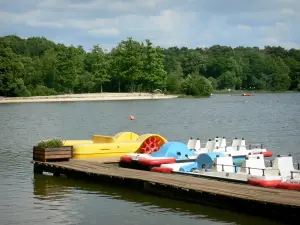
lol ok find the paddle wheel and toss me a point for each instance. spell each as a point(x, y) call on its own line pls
point(151, 144)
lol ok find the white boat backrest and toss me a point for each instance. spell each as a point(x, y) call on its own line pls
point(234, 148)
point(210, 144)
point(238, 142)
point(227, 163)
point(255, 162)
point(284, 164)
point(216, 144)
point(197, 145)
point(222, 142)
point(235, 142)
point(242, 142)
point(218, 139)
point(191, 143)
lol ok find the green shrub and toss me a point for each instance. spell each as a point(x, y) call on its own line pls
point(51, 143)
point(41, 90)
point(197, 85)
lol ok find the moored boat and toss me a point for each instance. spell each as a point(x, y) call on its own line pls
point(289, 176)
point(246, 94)
point(170, 152)
point(118, 145)
point(177, 152)
point(221, 167)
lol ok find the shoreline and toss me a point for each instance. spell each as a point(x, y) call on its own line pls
point(87, 97)
point(245, 91)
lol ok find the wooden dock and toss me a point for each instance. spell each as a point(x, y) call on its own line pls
point(278, 204)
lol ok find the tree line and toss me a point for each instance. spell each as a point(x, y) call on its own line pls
point(37, 66)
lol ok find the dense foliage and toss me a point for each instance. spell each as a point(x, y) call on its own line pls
point(37, 66)
point(51, 143)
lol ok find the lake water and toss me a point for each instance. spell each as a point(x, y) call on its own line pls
point(25, 198)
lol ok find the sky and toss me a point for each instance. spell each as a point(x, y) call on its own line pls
point(189, 23)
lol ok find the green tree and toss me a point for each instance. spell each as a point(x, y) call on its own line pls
point(38, 66)
point(227, 80)
point(49, 62)
point(10, 68)
point(154, 72)
point(278, 74)
point(193, 62)
point(175, 79)
point(99, 66)
point(214, 82)
point(129, 61)
point(85, 82)
point(70, 64)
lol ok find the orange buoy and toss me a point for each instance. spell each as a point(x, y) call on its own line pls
point(131, 117)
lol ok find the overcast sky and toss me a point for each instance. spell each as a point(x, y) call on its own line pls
point(191, 23)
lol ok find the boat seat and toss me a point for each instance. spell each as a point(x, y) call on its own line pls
point(213, 146)
point(194, 144)
point(235, 142)
point(227, 163)
point(285, 165)
point(103, 139)
point(256, 163)
point(222, 141)
point(208, 147)
point(119, 137)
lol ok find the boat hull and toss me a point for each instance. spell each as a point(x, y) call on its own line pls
point(121, 144)
point(289, 186)
point(270, 183)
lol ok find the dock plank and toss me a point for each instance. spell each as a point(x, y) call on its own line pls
point(242, 191)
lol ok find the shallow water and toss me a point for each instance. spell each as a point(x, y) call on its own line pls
point(25, 198)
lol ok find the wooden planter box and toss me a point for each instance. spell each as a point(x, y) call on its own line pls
point(52, 154)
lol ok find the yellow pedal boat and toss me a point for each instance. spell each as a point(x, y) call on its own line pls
point(112, 146)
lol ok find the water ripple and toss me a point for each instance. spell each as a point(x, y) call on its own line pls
point(35, 199)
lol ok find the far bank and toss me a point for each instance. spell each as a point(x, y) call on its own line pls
point(87, 97)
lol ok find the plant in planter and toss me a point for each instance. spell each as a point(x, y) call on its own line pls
point(51, 143)
point(51, 149)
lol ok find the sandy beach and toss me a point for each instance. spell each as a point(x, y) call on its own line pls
point(86, 97)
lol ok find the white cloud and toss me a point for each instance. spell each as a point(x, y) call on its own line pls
point(88, 24)
point(287, 11)
point(104, 32)
point(271, 40)
point(117, 5)
point(52, 4)
point(166, 22)
point(285, 1)
point(31, 18)
point(291, 45)
point(244, 27)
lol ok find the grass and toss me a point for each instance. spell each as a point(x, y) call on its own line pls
point(246, 91)
point(227, 92)
point(268, 91)
point(191, 96)
point(235, 92)
point(51, 143)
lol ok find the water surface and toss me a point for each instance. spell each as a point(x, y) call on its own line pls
point(25, 198)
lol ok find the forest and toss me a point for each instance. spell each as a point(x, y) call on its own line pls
point(37, 66)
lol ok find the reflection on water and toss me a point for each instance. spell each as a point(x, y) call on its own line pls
point(125, 202)
point(29, 199)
